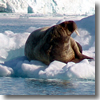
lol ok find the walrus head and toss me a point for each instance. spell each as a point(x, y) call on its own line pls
point(70, 27)
point(61, 33)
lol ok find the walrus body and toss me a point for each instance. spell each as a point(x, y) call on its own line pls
point(54, 43)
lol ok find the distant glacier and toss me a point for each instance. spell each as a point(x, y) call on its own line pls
point(49, 7)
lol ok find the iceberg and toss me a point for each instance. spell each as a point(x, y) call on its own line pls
point(49, 7)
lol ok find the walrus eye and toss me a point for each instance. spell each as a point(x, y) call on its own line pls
point(77, 32)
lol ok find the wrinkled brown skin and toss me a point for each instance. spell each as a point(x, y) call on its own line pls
point(54, 43)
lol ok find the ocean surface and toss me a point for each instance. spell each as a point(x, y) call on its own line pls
point(18, 76)
point(31, 86)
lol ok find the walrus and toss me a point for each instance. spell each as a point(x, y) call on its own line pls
point(55, 43)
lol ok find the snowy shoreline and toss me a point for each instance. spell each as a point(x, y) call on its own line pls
point(34, 16)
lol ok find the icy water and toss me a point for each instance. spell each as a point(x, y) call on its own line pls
point(31, 86)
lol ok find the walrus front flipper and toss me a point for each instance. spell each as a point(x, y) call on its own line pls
point(80, 47)
point(77, 60)
point(78, 51)
point(85, 57)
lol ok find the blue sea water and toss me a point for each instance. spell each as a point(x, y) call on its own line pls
point(31, 86)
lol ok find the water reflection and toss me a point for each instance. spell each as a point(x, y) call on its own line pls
point(50, 87)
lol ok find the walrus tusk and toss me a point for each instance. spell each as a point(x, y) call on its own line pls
point(77, 32)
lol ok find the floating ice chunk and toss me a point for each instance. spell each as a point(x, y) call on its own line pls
point(70, 70)
point(82, 70)
point(32, 69)
point(5, 71)
point(12, 43)
point(54, 70)
point(21, 67)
